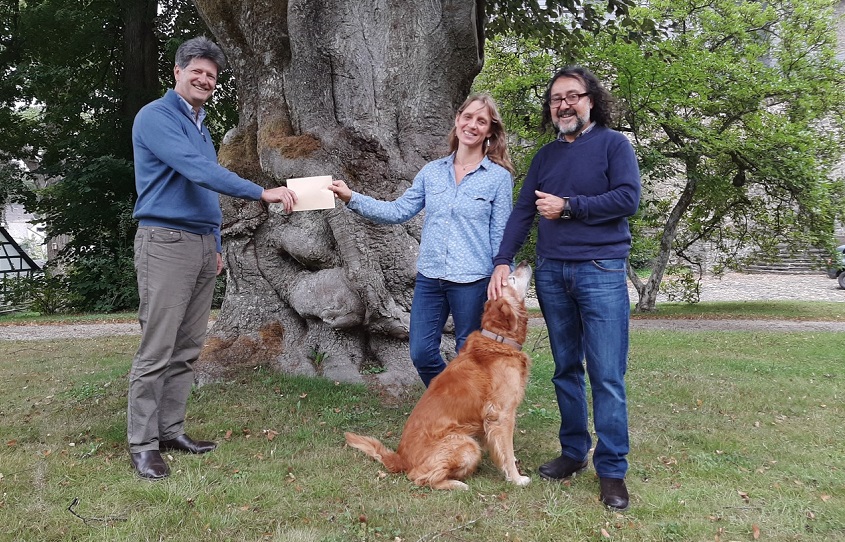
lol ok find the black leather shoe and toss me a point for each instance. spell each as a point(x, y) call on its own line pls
point(184, 443)
point(561, 468)
point(614, 494)
point(150, 465)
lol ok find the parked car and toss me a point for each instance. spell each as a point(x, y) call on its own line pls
point(836, 268)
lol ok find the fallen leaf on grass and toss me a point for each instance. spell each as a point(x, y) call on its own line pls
point(269, 433)
point(604, 533)
point(825, 498)
point(755, 532)
point(228, 435)
point(744, 496)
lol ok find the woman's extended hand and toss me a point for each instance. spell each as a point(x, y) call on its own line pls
point(341, 191)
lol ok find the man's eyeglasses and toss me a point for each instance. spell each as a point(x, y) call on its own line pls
point(570, 99)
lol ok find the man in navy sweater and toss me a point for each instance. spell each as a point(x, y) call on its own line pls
point(584, 185)
point(177, 253)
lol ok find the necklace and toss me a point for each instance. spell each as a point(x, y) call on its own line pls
point(465, 167)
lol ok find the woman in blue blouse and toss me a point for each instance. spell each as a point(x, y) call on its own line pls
point(467, 197)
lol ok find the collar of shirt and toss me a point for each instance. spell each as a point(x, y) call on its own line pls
point(450, 161)
point(198, 118)
point(582, 132)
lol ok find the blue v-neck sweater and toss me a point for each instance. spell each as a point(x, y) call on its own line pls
point(177, 176)
point(599, 174)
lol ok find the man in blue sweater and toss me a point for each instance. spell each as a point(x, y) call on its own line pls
point(177, 253)
point(584, 185)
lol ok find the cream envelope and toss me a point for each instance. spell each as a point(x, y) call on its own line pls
point(312, 193)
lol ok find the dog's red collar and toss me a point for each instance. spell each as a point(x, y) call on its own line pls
point(500, 339)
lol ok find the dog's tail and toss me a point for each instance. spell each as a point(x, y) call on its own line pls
point(378, 451)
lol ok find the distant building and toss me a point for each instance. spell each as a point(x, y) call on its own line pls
point(29, 235)
point(14, 262)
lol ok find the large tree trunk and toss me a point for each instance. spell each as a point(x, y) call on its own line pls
point(363, 90)
point(140, 57)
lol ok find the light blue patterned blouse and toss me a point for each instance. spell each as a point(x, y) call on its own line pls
point(463, 223)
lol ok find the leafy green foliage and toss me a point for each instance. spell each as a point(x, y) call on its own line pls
point(98, 258)
point(741, 108)
point(67, 113)
point(68, 70)
point(557, 24)
point(44, 293)
point(736, 115)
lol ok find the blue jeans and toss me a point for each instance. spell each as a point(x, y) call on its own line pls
point(586, 308)
point(433, 300)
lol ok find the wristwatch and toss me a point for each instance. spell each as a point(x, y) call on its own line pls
point(566, 214)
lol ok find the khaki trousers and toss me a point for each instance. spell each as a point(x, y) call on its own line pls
point(176, 275)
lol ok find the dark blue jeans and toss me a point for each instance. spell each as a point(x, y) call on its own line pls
point(433, 300)
point(587, 311)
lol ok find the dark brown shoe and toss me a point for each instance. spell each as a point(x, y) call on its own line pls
point(614, 494)
point(184, 443)
point(561, 468)
point(150, 465)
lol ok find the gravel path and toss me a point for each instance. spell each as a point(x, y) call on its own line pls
point(752, 287)
point(732, 287)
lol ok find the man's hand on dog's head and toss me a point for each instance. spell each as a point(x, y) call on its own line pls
point(498, 281)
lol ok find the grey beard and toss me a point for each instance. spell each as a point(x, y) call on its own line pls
point(579, 125)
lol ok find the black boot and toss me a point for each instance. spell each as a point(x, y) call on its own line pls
point(150, 465)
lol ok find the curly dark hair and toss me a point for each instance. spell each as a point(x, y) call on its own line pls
point(602, 110)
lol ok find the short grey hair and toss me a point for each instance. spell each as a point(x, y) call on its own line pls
point(200, 47)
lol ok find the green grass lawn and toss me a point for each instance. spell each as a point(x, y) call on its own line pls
point(735, 436)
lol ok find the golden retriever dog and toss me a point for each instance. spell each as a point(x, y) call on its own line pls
point(474, 398)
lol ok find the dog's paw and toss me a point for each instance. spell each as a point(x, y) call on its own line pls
point(522, 480)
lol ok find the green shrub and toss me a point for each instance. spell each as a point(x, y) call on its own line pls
point(43, 293)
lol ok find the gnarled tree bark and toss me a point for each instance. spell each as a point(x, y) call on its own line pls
point(363, 90)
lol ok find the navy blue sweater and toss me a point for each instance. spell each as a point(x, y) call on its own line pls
point(598, 172)
point(176, 171)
